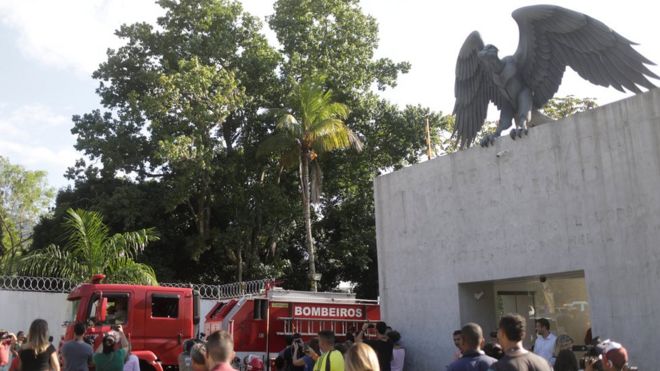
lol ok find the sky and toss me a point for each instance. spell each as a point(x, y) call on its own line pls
point(50, 49)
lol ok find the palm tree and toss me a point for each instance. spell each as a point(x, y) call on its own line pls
point(314, 126)
point(90, 250)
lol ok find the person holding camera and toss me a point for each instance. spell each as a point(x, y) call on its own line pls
point(114, 351)
point(77, 354)
point(614, 358)
point(511, 331)
point(7, 341)
point(306, 360)
point(381, 345)
point(292, 352)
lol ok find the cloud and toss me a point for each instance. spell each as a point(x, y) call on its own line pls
point(38, 138)
point(72, 34)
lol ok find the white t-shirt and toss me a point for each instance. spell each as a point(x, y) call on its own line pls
point(132, 363)
point(545, 347)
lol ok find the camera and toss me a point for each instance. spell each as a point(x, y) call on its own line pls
point(592, 354)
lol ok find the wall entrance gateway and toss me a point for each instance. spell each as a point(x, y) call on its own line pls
point(561, 298)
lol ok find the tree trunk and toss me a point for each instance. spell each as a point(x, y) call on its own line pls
point(240, 264)
point(304, 176)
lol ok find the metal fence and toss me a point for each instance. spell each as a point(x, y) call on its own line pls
point(61, 285)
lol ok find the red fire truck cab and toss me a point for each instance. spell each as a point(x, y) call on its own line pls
point(156, 320)
point(260, 323)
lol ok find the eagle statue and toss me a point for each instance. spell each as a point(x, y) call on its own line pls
point(551, 38)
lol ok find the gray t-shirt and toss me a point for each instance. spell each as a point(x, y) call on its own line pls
point(526, 361)
point(77, 356)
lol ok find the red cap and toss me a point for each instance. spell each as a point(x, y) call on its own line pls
point(255, 364)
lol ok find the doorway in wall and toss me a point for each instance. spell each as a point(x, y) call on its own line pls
point(559, 297)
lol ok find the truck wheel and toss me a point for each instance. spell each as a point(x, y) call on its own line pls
point(144, 366)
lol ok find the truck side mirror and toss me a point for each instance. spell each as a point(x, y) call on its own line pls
point(196, 307)
point(102, 310)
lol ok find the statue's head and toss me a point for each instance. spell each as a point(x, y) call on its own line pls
point(488, 55)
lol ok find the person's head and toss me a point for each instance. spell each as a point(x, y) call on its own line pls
point(493, 350)
point(457, 338)
point(38, 335)
point(511, 330)
point(340, 347)
point(254, 363)
point(615, 356)
point(326, 340)
point(542, 327)
point(381, 328)
point(314, 344)
point(219, 348)
point(79, 329)
point(394, 336)
point(472, 337)
point(563, 342)
point(20, 337)
point(198, 357)
point(361, 357)
point(109, 341)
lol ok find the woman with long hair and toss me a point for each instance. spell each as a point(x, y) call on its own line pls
point(565, 359)
point(361, 357)
point(38, 354)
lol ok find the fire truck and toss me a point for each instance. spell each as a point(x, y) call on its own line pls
point(261, 323)
point(157, 320)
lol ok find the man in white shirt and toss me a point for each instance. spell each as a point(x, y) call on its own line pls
point(544, 345)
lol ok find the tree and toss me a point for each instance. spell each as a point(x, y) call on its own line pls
point(24, 198)
point(90, 249)
point(159, 103)
point(317, 129)
point(561, 107)
point(177, 101)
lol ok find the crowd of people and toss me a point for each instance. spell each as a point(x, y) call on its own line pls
point(504, 351)
point(357, 352)
point(37, 353)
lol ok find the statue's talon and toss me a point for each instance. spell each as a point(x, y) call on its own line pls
point(488, 140)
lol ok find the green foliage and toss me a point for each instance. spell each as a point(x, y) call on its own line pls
point(24, 198)
point(89, 250)
point(561, 107)
point(188, 106)
point(318, 129)
point(333, 38)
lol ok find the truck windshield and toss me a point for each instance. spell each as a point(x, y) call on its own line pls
point(72, 309)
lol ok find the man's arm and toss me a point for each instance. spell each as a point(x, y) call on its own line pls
point(360, 334)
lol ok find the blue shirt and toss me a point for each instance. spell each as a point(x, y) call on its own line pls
point(472, 361)
point(309, 363)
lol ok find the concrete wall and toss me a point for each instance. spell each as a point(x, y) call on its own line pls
point(579, 194)
point(20, 308)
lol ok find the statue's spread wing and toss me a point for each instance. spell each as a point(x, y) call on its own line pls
point(473, 90)
point(552, 37)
